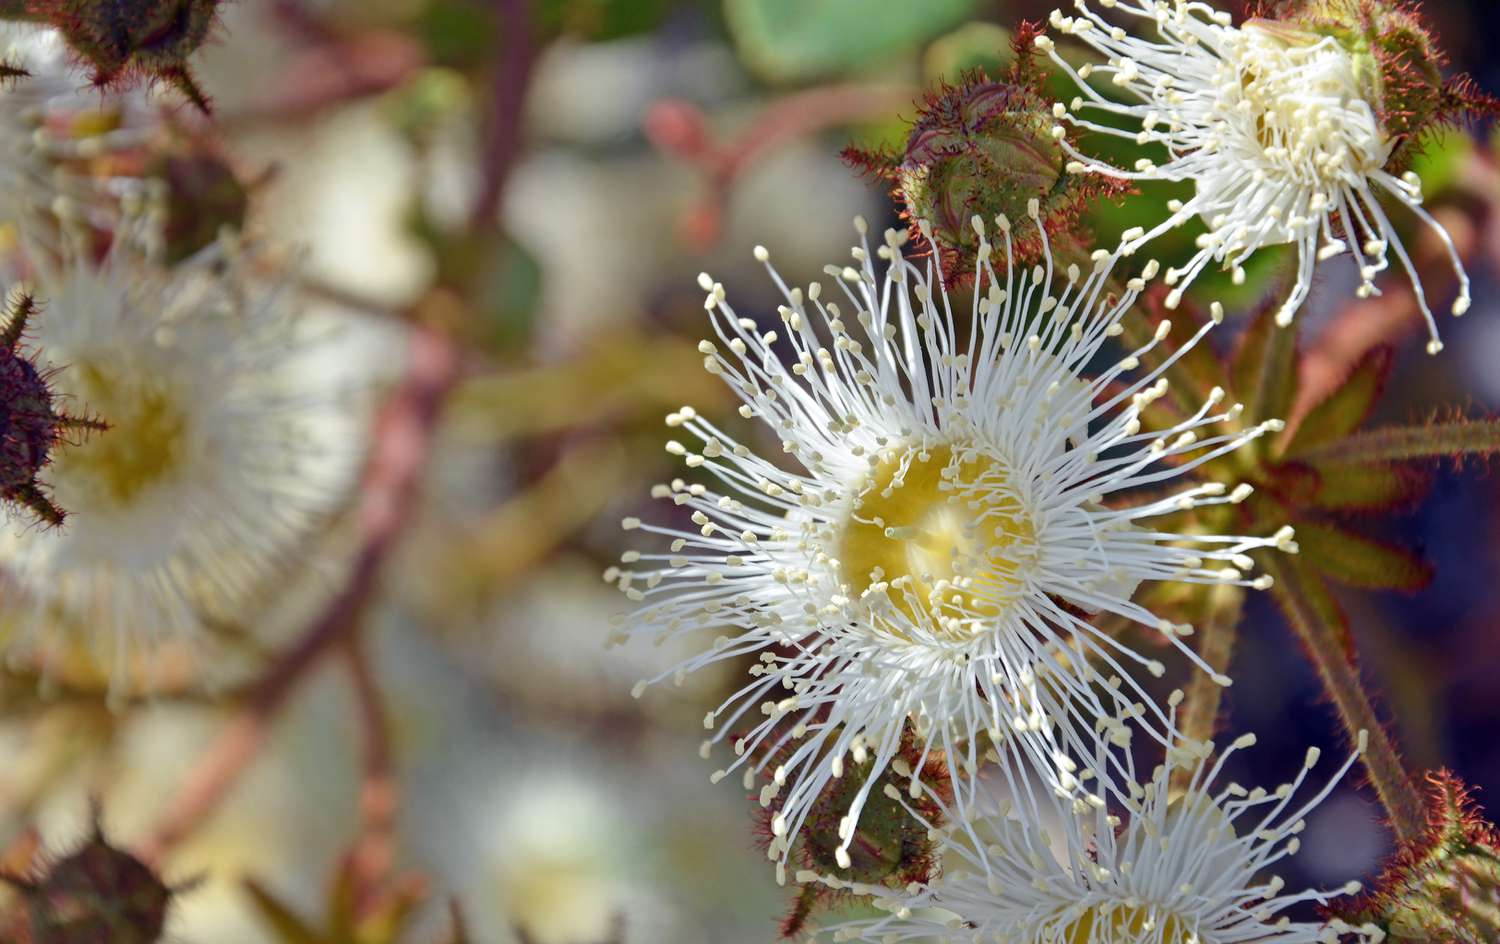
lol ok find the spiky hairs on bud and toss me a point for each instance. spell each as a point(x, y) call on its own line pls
point(31, 425)
point(1397, 57)
point(135, 39)
point(985, 148)
point(96, 893)
point(1445, 886)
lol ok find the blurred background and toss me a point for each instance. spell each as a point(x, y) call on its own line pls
point(655, 139)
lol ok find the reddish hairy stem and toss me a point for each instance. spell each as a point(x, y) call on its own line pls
point(374, 854)
point(1341, 681)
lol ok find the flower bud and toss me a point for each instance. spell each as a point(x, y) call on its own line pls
point(203, 196)
point(1446, 885)
point(135, 38)
point(985, 148)
point(98, 893)
point(892, 845)
point(30, 423)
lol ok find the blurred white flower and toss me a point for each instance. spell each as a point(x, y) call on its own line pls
point(1148, 865)
point(961, 505)
point(52, 118)
point(1275, 126)
point(224, 458)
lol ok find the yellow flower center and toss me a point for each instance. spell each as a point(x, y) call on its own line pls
point(143, 445)
point(943, 532)
point(1125, 924)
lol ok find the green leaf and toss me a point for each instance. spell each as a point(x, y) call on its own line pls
point(1442, 158)
point(1359, 561)
point(1356, 487)
point(1264, 367)
point(799, 40)
point(284, 923)
point(1452, 440)
point(1349, 405)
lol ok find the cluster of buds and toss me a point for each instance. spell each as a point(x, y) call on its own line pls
point(126, 41)
point(985, 148)
point(97, 893)
point(1397, 59)
point(31, 423)
point(892, 849)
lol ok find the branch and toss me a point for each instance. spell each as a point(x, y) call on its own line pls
point(402, 445)
point(1407, 443)
point(374, 853)
point(502, 142)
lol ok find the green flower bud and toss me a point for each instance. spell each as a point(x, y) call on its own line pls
point(986, 148)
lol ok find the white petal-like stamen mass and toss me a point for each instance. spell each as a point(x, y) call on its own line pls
point(960, 505)
point(225, 455)
point(1146, 862)
point(1276, 129)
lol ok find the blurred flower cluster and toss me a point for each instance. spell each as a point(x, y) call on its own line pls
point(1003, 548)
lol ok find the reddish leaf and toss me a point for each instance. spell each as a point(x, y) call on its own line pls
point(1351, 487)
point(1360, 561)
point(1349, 405)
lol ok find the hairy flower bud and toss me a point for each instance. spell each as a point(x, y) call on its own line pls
point(30, 422)
point(126, 39)
point(986, 148)
point(1445, 886)
point(1395, 56)
point(97, 893)
point(891, 847)
point(203, 196)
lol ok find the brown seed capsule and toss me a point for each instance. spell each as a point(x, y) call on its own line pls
point(97, 893)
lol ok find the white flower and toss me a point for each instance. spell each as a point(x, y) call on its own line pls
point(1275, 128)
point(51, 118)
point(1149, 865)
point(958, 504)
point(224, 457)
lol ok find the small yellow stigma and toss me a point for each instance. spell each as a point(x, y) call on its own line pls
point(941, 530)
point(149, 421)
point(1128, 923)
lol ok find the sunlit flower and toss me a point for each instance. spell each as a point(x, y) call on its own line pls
point(1277, 128)
point(224, 456)
point(959, 508)
point(1143, 864)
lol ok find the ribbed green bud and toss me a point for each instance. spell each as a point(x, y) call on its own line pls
point(1447, 886)
point(986, 148)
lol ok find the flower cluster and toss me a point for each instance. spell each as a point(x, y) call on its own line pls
point(952, 559)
